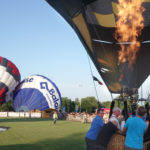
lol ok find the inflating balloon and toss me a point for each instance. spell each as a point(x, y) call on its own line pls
point(9, 79)
point(37, 92)
point(95, 23)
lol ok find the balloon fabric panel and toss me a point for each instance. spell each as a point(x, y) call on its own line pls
point(30, 99)
point(94, 21)
point(9, 79)
point(37, 92)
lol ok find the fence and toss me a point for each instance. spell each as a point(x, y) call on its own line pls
point(21, 114)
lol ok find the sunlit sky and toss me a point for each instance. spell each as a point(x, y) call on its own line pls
point(39, 41)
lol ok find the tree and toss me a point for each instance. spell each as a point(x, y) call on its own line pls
point(77, 104)
point(7, 106)
point(99, 104)
point(68, 104)
point(89, 104)
point(72, 106)
point(106, 104)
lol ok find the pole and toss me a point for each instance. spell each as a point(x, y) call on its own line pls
point(80, 105)
point(141, 94)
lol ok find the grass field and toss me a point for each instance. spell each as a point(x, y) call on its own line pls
point(42, 134)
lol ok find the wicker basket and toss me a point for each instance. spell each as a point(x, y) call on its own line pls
point(145, 145)
point(117, 143)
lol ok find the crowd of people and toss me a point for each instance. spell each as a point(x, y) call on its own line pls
point(78, 116)
point(86, 117)
point(135, 130)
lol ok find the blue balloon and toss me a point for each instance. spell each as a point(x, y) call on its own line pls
point(37, 92)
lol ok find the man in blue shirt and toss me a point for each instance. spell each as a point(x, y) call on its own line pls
point(135, 128)
point(92, 133)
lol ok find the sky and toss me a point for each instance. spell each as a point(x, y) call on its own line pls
point(39, 41)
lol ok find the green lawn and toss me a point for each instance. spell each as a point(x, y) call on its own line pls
point(42, 134)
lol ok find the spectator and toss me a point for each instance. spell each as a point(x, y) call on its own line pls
point(92, 133)
point(114, 117)
point(147, 133)
point(135, 128)
point(55, 117)
point(108, 130)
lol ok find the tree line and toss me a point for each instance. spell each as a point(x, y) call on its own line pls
point(87, 104)
point(90, 104)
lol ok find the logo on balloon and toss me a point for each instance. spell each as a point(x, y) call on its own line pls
point(44, 85)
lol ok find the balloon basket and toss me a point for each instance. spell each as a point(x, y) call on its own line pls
point(117, 143)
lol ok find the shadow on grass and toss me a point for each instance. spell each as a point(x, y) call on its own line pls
point(72, 142)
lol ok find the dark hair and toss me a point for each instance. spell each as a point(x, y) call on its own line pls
point(100, 109)
point(141, 111)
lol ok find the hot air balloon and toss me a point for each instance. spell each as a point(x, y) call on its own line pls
point(116, 35)
point(95, 23)
point(36, 92)
point(9, 79)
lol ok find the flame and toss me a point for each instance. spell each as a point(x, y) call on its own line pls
point(129, 25)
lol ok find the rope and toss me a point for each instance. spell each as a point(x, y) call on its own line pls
point(92, 78)
point(141, 94)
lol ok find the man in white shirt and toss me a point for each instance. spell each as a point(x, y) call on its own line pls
point(114, 117)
